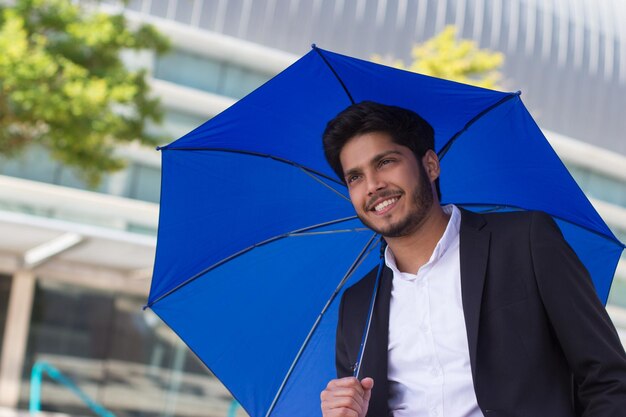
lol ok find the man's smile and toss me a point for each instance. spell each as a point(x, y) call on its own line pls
point(382, 205)
point(385, 206)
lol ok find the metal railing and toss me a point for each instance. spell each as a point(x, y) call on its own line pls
point(232, 410)
point(36, 377)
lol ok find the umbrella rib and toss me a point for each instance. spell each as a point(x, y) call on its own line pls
point(262, 155)
point(357, 262)
point(343, 85)
point(473, 120)
point(245, 250)
point(327, 232)
point(324, 184)
point(595, 232)
point(368, 323)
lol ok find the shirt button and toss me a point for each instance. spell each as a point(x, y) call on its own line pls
point(434, 371)
point(425, 328)
point(434, 412)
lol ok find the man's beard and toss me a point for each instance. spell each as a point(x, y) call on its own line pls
point(422, 203)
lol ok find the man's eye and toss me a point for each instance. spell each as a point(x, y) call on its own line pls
point(352, 178)
point(385, 162)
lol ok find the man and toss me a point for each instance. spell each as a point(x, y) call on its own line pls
point(476, 315)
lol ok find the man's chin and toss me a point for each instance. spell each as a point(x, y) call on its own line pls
point(397, 229)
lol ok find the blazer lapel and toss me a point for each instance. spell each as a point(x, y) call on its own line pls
point(474, 254)
point(375, 361)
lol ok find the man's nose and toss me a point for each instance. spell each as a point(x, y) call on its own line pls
point(374, 184)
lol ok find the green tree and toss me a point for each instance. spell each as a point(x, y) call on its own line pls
point(63, 85)
point(461, 60)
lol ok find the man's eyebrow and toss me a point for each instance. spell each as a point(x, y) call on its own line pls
point(374, 160)
point(384, 154)
point(352, 171)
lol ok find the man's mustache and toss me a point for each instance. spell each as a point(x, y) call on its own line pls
point(381, 194)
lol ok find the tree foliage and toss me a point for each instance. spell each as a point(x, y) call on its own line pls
point(445, 56)
point(64, 86)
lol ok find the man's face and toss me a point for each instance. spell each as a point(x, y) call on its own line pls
point(390, 190)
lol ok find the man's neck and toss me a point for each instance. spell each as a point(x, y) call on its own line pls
point(414, 250)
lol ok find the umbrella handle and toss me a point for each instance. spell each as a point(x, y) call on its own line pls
point(357, 365)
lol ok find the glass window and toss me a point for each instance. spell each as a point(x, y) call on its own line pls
point(184, 11)
point(122, 357)
point(196, 71)
point(621, 235)
point(556, 32)
point(5, 291)
point(145, 183)
point(176, 124)
point(34, 163)
point(239, 81)
point(602, 58)
point(607, 189)
point(189, 69)
point(571, 30)
point(159, 7)
point(142, 183)
point(617, 296)
point(581, 175)
point(135, 5)
point(522, 26)
point(69, 177)
point(599, 186)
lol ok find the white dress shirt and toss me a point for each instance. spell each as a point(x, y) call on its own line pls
point(429, 366)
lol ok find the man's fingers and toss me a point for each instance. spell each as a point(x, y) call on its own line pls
point(348, 403)
point(346, 397)
point(349, 381)
point(367, 384)
point(340, 412)
point(342, 392)
point(342, 397)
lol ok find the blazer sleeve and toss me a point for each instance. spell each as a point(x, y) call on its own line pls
point(584, 330)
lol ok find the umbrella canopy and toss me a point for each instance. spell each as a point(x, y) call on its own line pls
point(257, 237)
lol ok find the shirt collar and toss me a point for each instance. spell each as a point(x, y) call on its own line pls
point(449, 237)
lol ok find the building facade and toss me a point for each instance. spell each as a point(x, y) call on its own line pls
point(75, 264)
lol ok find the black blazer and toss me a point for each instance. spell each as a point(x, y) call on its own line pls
point(540, 342)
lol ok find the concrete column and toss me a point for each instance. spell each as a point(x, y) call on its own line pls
point(16, 336)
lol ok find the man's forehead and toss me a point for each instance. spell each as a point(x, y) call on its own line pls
point(368, 148)
point(371, 141)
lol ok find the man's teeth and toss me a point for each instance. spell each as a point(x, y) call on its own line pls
point(381, 206)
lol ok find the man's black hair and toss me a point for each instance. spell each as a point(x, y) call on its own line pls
point(405, 127)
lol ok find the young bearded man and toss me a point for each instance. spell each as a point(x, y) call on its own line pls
point(477, 314)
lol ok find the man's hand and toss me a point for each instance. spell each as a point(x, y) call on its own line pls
point(347, 397)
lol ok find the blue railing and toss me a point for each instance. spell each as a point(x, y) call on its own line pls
point(36, 376)
point(232, 410)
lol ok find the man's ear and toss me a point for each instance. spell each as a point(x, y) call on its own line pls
point(430, 162)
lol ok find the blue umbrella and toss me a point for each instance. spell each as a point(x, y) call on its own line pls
point(257, 237)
